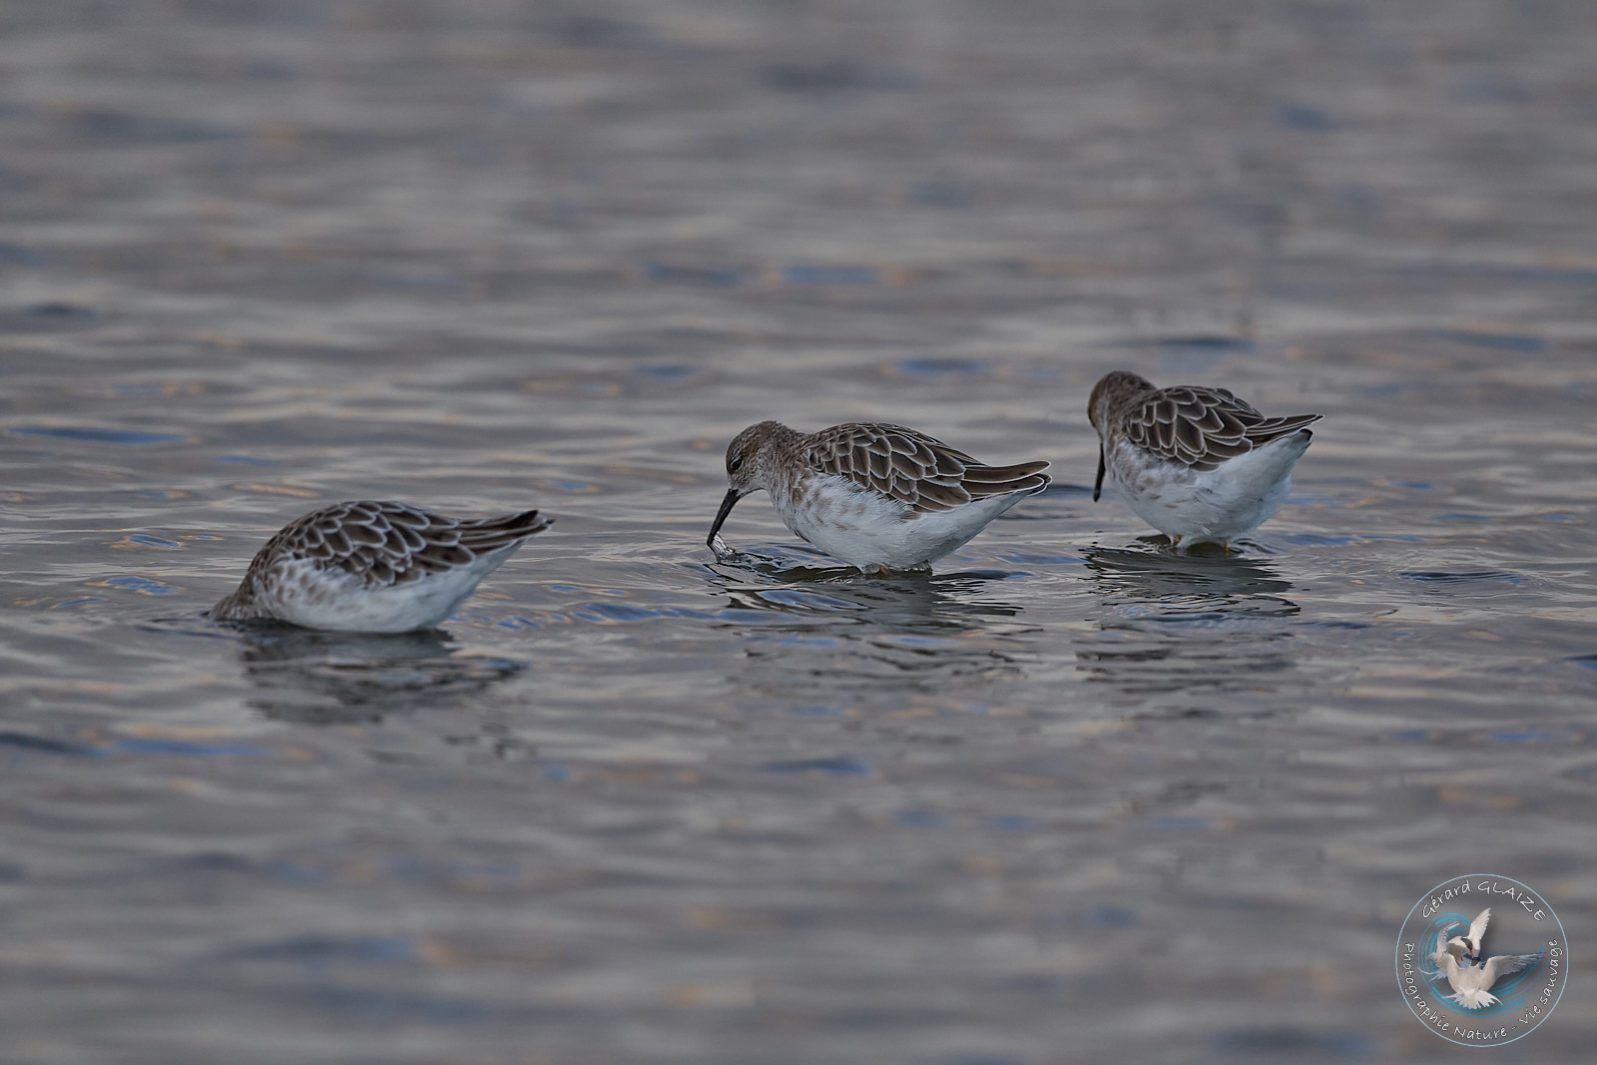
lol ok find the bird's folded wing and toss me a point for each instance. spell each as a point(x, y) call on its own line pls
point(1201, 427)
point(913, 468)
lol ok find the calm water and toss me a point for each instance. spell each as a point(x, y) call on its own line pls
point(1073, 798)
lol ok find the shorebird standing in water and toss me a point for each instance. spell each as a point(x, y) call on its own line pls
point(1199, 464)
point(373, 567)
point(877, 496)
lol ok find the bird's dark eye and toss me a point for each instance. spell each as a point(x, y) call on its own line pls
point(732, 467)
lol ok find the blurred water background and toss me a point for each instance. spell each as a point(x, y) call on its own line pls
point(1073, 798)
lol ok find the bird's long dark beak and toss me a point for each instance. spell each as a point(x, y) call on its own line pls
point(727, 504)
point(1097, 486)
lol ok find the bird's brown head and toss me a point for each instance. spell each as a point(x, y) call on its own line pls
point(1112, 390)
point(748, 459)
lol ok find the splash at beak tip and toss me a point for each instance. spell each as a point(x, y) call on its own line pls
point(714, 540)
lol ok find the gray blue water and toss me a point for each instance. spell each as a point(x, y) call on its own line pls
point(1071, 798)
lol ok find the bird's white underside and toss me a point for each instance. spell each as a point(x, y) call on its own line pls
point(311, 594)
point(868, 530)
point(1198, 506)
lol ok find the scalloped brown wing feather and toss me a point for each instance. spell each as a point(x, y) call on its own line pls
point(914, 468)
point(1202, 427)
point(391, 543)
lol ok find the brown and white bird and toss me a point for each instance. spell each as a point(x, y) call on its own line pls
point(1199, 464)
point(877, 496)
point(373, 567)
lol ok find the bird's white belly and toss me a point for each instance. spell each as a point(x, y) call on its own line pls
point(867, 530)
point(1216, 504)
point(308, 595)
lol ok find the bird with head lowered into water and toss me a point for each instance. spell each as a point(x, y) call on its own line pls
point(877, 496)
point(1199, 464)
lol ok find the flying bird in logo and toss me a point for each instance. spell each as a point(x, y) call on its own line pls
point(1469, 946)
point(1469, 972)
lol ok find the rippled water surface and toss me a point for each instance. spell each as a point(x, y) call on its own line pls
point(1073, 797)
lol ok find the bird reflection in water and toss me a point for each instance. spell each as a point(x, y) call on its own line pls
point(1205, 575)
point(343, 678)
point(1190, 626)
point(824, 630)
